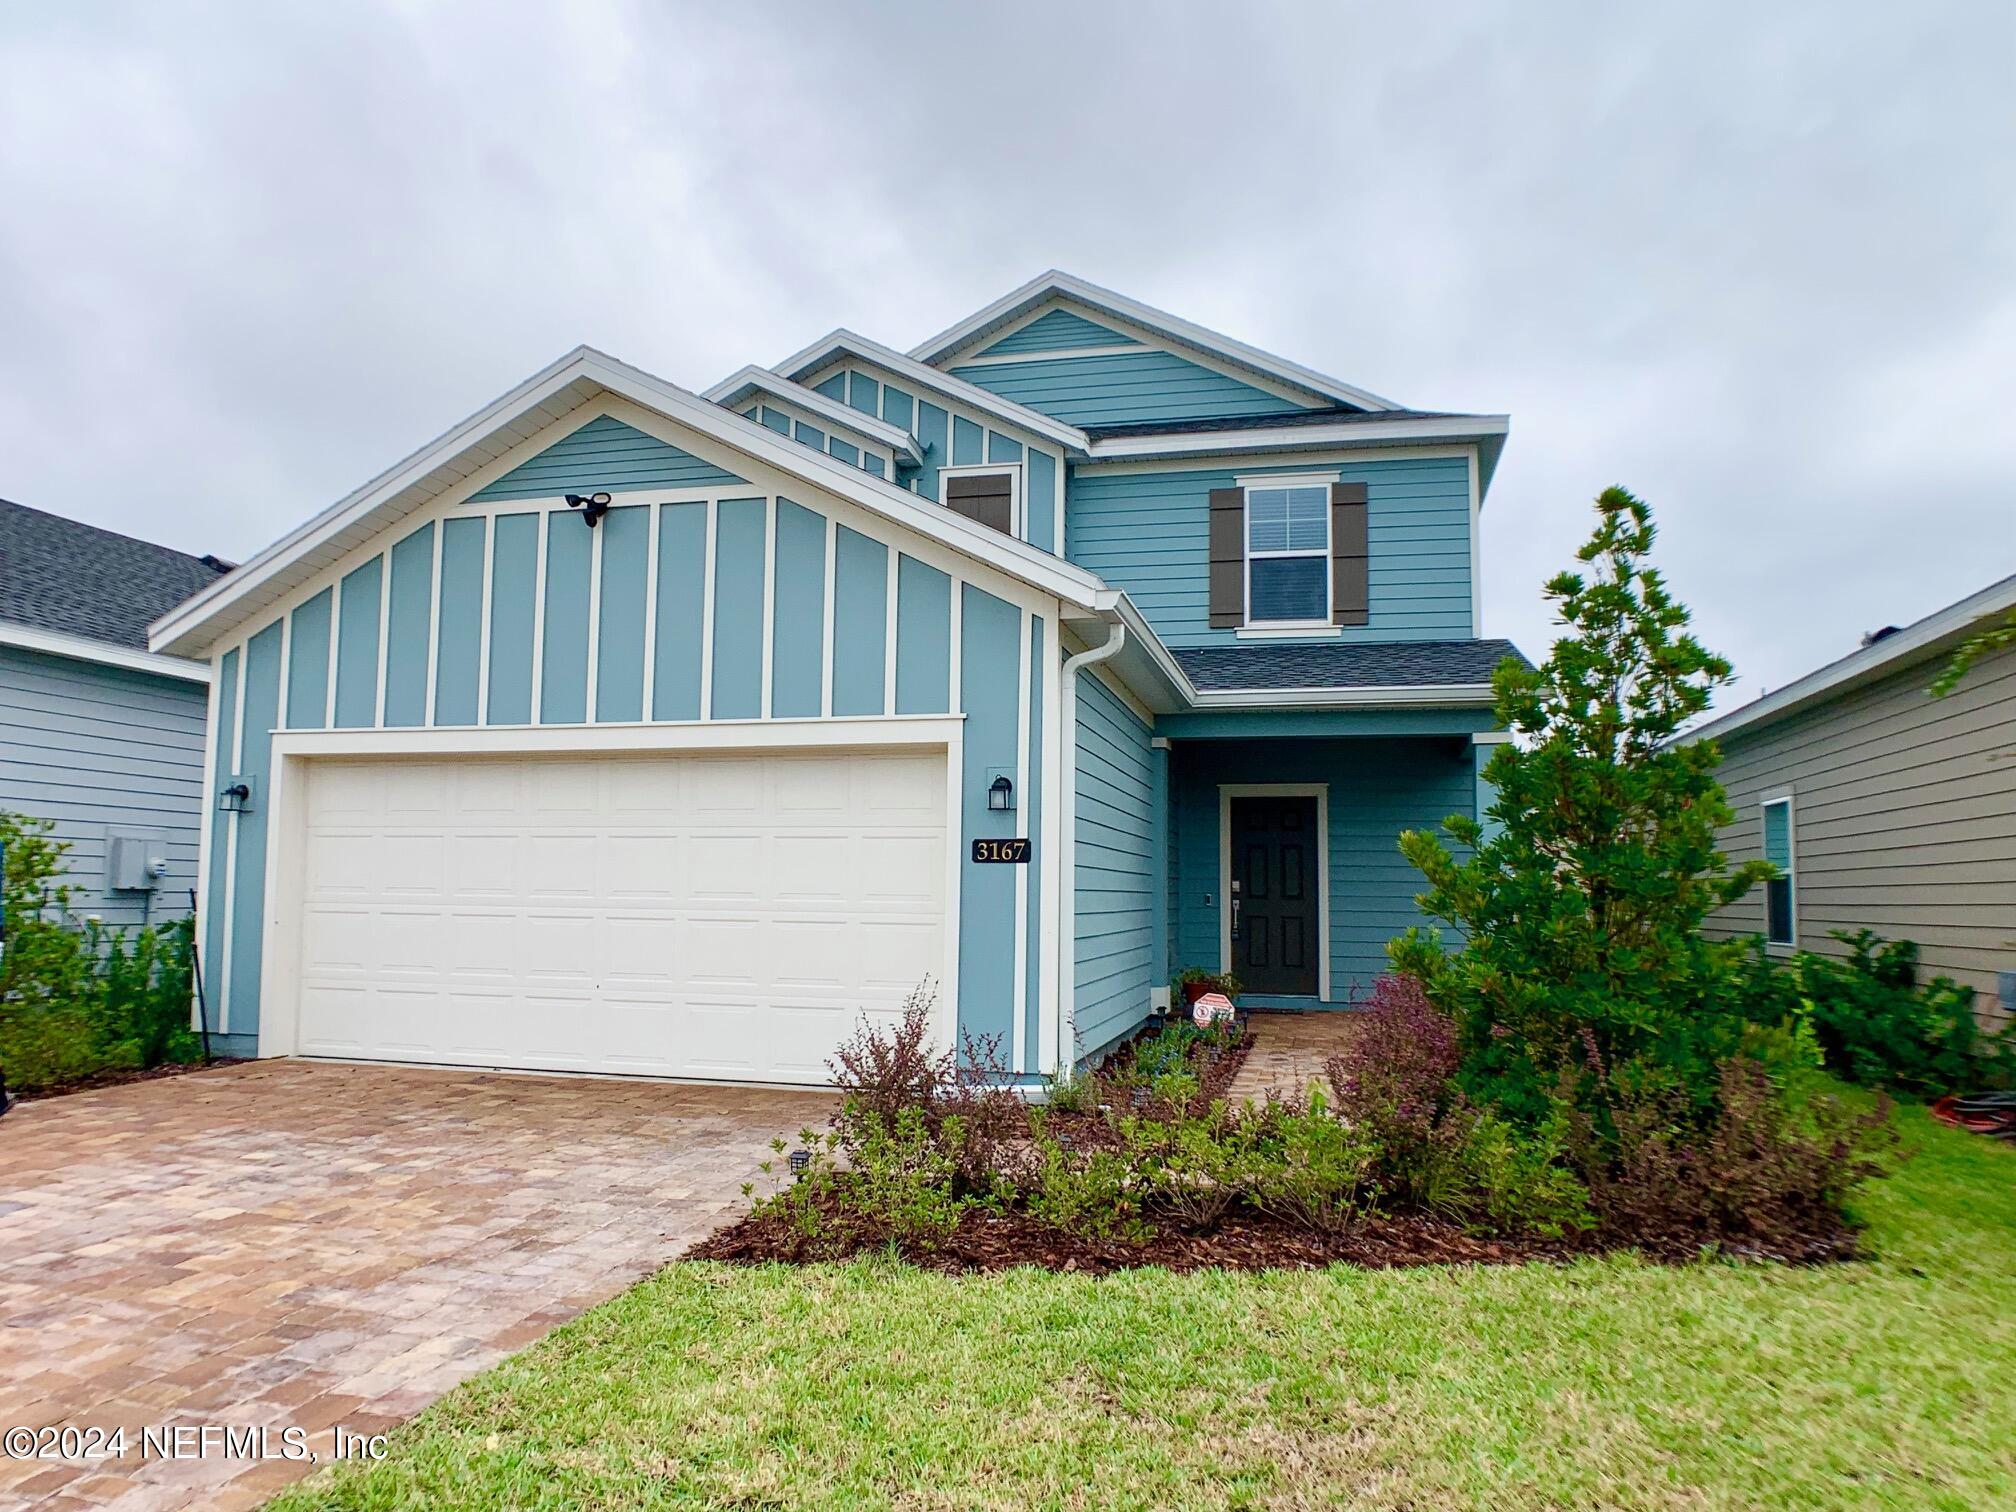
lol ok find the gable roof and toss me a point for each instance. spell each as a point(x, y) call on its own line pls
point(560, 389)
point(1054, 284)
point(68, 578)
point(753, 380)
point(1922, 640)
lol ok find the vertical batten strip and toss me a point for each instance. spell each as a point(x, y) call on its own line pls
point(826, 651)
point(538, 618)
point(484, 611)
point(707, 610)
point(651, 533)
point(769, 602)
point(598, 542)
point(1017, 1015)
point(889, 637)
point(434, 616)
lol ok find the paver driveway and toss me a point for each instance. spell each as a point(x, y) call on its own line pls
point(283, 1243)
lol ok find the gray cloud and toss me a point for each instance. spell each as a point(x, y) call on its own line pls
point(1753, 262)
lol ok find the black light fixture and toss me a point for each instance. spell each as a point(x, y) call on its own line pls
point(799, 1160)
point(592, 506)
point(1001, 795)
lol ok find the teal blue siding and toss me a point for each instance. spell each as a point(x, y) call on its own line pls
point(357, 646)
point(514, 600)
point(777, 420)
point(834, 387)
point(860, 622)
point(563, 652)
point(619, 638)
point(605, 454)
point(1039, 485)
point(1125, 387)
point(1057, 331)
point(682, 582)
point(1003, 448)
point(990, 663)
point(845, 451)
point(738, 610)
point(308, 664)
point(896, 407)
point(1160, 969)
point(966, 440)
point(459, 662)
point(1032, 826)
point(873, 464)
point(810, 435)
point(798, 636)
point(863, 393)
point(1113, 930)
point(408, 629)
point(923, 642)
point(934, 441)
point(223, 836)
point(1377, 788)
point(1148, 533)
point(261, 712)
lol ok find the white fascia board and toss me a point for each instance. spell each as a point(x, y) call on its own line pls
point(1039, 569)
point(1355, 433)
point(1188, 333)
point(841, 417)
point(83, 648)
point(1439, 696)
point(1865, 665)
point(845, 343)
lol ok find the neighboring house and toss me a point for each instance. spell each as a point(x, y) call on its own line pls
point(1884, 807)
point(626, 729)
point(98, 734)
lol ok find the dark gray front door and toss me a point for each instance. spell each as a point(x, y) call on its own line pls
point(1275, 948)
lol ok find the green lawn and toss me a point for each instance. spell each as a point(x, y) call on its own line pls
point(1608, 1383)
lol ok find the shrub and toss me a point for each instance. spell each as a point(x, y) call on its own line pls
point(1519, 1181)
point(1087, 1193)
point(1395, 1082)
point(1309, 1168)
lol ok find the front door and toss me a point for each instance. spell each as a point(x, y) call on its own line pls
point(1275, 948)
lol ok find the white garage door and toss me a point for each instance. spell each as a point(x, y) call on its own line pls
point(697, 916)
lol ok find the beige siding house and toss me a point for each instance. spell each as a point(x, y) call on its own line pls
point(1886, 808)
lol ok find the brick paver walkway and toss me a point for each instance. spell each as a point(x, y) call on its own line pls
point(1289, 1050)
point(284, 1243)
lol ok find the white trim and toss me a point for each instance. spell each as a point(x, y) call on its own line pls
point(83, 648)
point(650, 695)
point(1867, 664)
point(1020, 1021)
point(876, 432)
point(1289, 630)
point(545, 519)
point(1448, 695)
point(889, 635)
point(433, 619)
point(1348, 433)
point(226, 939)
point(1054, 354)
point(295, 751)
point(1768, 801)
point(1288, 479)
point(766, 679)
point(335, 591)
point(206, 839)
point(1242, 456)
point(1055, 282)
point(385, 634)
point(593, 650)
point(1320, 791)
point(845, 343)
point(707, 557)
point(826, 630)
point(955, 678)
point(1050, 948)
point(1014, 471)
point(1493, 737)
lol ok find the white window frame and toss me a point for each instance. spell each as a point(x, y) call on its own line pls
point(989, 469)
point(1291, 627)
point(1772, 801)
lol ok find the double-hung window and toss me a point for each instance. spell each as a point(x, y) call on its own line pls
point(1781, 924)
point(1288, 554)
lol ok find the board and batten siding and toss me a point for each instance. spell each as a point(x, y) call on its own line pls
point(699, 597)
point(950, 434)
point(102, 751)
point(1118, 835)
point(1148, 531)
point(1377, 787)
point(1903, 820)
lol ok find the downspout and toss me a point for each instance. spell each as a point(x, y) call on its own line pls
point(1067, 953)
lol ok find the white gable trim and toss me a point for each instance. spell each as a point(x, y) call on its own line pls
point(1187, 333)
point(83, 648)
point(563, 388)
point(841, 417)
point(844, 343)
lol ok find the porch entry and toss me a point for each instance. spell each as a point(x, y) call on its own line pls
point(1275, 895)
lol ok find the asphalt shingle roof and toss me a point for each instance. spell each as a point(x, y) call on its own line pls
point(61, 575)
point(1343, 664)
point(1263, 422)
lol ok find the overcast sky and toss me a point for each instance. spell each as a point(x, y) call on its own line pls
point(1755, 265)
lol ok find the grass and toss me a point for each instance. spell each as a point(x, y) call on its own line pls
point(1611, 1383)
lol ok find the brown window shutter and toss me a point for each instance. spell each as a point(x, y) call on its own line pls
point(1350, 554)
point(1228, 558)
point(986, 497)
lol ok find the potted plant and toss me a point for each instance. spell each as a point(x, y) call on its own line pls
point(1192, 982)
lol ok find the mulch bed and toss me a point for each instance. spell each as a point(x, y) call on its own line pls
point(98, 1080)
point(988, 1241)
point(1093, 1130)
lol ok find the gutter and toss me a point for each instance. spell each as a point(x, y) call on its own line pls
point(1067, 980)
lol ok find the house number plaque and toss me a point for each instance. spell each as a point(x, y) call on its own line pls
point(1011, 851)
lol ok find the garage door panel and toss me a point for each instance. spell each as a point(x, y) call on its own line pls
point(687, 916)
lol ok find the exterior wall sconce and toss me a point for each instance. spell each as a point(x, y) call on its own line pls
point(592, 506)
point(1001, 795)
point(236, 796)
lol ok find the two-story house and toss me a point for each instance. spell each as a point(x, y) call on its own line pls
point(626, 729)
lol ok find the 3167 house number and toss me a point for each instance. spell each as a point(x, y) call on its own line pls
point(1012, 851)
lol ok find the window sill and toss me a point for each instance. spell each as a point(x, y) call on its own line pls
point(1299, 630)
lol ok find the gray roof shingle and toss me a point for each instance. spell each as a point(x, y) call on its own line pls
point(1283, 418)
point(1343, 664)
point(65, 576)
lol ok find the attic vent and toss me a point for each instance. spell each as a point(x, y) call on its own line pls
point(1876, 635)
